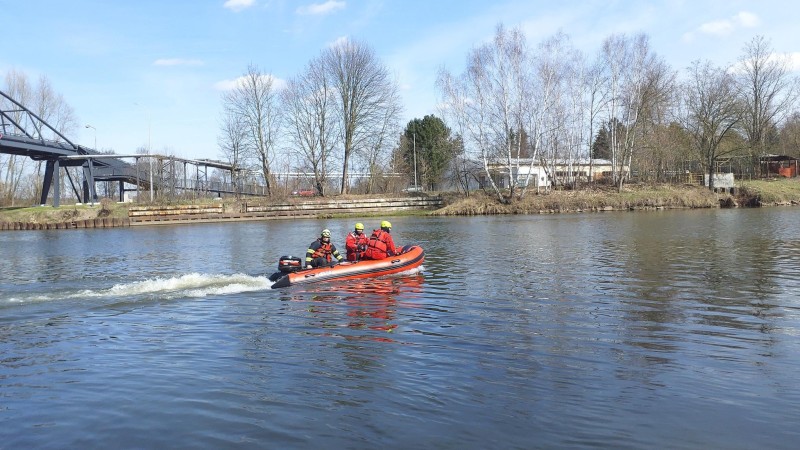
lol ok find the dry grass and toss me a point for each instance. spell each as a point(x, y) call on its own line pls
point(596, 199)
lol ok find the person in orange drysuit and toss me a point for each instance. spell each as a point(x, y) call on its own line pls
point(381, 245)
point(356, 243)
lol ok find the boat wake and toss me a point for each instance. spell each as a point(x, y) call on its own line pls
point(191, 285)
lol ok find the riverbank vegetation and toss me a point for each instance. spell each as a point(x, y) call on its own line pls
point(633, 197)
point(584, 200)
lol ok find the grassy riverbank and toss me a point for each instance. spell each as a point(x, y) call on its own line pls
point(64, 213)
point(633, 197)
point(595, 199)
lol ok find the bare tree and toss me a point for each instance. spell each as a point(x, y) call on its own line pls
point(457, 106)
point(577, 114)
point(50, 107)
point(487, 104)
point(512, 104)
point(659, 98)
point(232, 143)
point(253, 101)
point(466, 99)
point(595, 100)
point(790, 135)
point(19, 88)
point(508, 59)
point(378, 145)
point(638, 78)
point(310, 125)
point(364, 93)
point(549, 111)
point(711, 111)
point(767, 89)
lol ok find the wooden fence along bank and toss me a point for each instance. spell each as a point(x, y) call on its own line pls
point(165, 215)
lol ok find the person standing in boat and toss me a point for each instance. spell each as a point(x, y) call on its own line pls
point(356, 243)
point(381, 245)
point(321, 252)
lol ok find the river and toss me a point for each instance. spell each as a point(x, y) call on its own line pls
point(668, 329)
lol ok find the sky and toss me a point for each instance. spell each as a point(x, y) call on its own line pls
point(153, 72)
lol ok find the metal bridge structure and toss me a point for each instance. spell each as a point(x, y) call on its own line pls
point(23, 133)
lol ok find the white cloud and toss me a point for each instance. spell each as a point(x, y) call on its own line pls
point(177, 62)
point(226, 85)
point(725, 27)
point(747, 19)
point(321, 8)
point(794, 61)
point(338, 41)
point(718, 27)
point(238, 5)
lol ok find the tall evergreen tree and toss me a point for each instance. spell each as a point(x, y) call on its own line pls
point(600, 147)
point(434, 146)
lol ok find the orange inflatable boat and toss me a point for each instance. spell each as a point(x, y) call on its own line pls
point(290, 271)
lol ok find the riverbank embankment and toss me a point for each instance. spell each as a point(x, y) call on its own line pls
point(633, 197)
point(107, 214)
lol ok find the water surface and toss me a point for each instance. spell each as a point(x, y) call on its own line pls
point(675, 329)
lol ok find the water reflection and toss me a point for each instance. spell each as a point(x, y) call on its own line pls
point(361, 306)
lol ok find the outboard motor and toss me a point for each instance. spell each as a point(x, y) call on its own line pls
point(289, 264)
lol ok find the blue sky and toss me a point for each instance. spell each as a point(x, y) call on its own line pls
point(157, 68)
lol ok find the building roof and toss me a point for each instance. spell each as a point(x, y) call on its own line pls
point(768, 158)
point(557, 162)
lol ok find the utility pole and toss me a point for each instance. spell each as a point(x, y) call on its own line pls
point(95, 135)
point(149, 152)
point(416, 186)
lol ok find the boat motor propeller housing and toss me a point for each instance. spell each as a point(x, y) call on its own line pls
point(289, 264)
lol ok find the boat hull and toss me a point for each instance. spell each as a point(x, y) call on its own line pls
point(413, 256)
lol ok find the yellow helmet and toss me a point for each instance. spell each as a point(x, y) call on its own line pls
point(359, 226)
point(386, 224)
point(326, 233)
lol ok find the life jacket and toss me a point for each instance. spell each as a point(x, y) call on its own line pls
point(378, 246)
point(324, 251)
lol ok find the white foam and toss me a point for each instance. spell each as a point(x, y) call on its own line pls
point(188, 285)
point(196, 284)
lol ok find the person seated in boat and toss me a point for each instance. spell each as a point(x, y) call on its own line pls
point(380, 244)
point(321, 252)
point(356, 243)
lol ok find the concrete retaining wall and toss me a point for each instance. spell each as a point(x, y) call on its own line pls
point(155, 215)
point(304, 209)
point(180, 210)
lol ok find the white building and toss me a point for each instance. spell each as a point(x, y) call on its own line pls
point(539, 175)
point(560, 172)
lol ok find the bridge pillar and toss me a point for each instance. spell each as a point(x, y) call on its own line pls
point(50, 176)
point(89, 190)
point(57, 185)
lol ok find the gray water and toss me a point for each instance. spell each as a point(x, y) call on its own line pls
point(675, 329)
